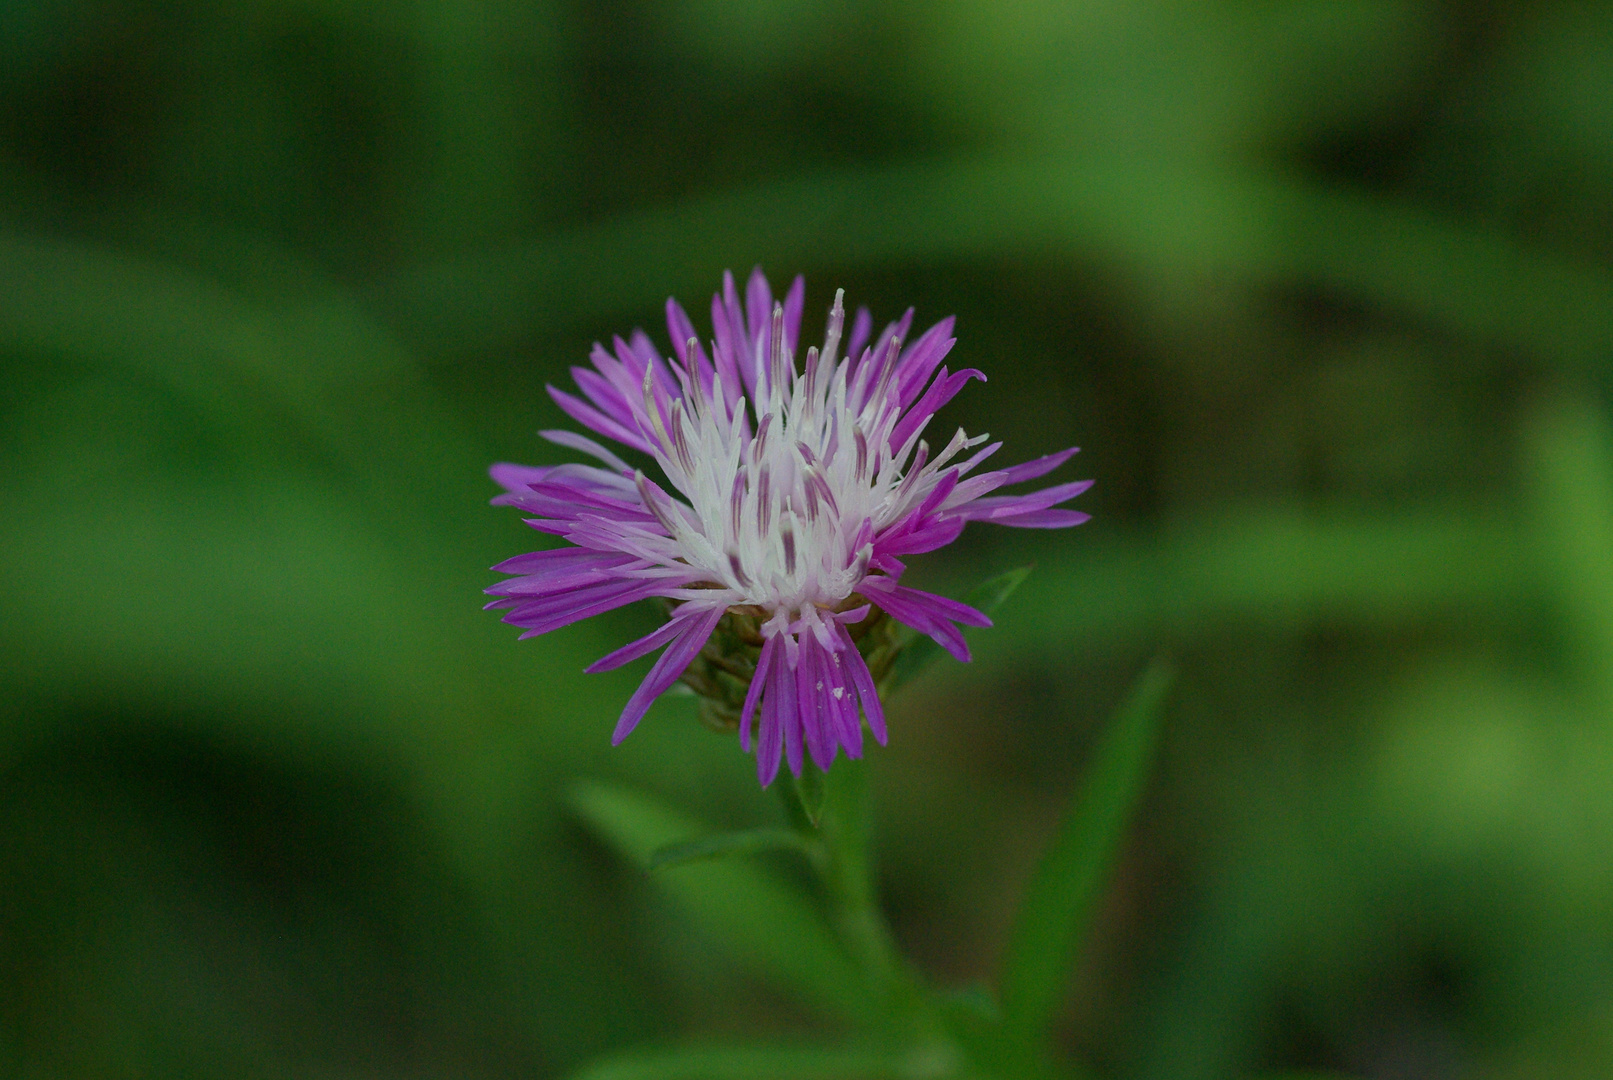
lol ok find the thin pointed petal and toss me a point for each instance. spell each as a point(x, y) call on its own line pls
point(753, 694)
point(794, 304)
point(666, 671)
point(867, 693)
point(642, 647)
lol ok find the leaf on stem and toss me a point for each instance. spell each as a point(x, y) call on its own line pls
point(773, 1062)
point(765, 921)
point(721, 845)
point(1058, 906)
point(809, 792)
point(919, 651)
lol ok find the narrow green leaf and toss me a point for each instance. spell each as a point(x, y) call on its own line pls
point(766, 922)
point(773, 1063)
point(809, 791)
point(1569, 448)
point(990, 594)
point(1059, 904)
point(919, 651)
point(720, 845)
point(1369, 570)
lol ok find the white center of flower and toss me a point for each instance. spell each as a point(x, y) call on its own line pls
point(788, 487)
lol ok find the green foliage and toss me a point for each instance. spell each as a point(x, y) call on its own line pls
point(1323, 289)
point(808, 792)
point(832, 827)
point(1056, 913)
point(720, 845)
point(914, 651)
point(743, 906)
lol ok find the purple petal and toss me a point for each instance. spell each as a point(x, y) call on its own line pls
point(621, 379)
point(841, 700)
point(1006, 506)
point(682, 331)
point(1041, 466)
point(573, 441)
point(569, 498)
point(898, 329)
point(770, 739)
point(1045, 519)
point(663, 507)
point(862, 324)
point(852, 616)
point(650, 357)
point(915, 540)
point(681, 327)
point(646, 644)
point(863, 679)
point(551, 613)
point(664, 388)
point(944, 606)
point(889, 563)
point(927, 613)
point(552, 558)
point(794, 301)
point(728, 329)
point(591, 418)
point(920, 359)
point(938, 494)
point(754, 694)
point(809, 703)
point(517, 478)
point(759, 317)
point(633, 364)
point(781, 700)
point(967, 466)
point(550, 506)
point(550, 582)
point(672, 663)
point(614, 392)
point(942, 390)
point(553, 528)
point(602, 534)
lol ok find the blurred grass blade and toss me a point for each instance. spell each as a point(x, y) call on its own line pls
point(1256, 225)
point(766, 922)
point(770, 1062)
point(721, 845)
point(1059, 903)
point(920, 651)
point(1371, 570)
point(1569, 444)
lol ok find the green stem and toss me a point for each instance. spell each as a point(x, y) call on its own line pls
point(845, 828)
point(842, 834)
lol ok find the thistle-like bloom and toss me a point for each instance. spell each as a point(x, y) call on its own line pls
point(794, 495)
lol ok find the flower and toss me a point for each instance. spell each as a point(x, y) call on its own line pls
point(793, 496)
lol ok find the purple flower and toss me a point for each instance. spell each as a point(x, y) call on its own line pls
point(791, 497)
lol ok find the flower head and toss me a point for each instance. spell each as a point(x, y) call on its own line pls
point(791, 494)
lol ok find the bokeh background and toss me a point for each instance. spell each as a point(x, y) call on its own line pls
point(1324, 289)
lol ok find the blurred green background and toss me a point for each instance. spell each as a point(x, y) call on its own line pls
point(1325, 290)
